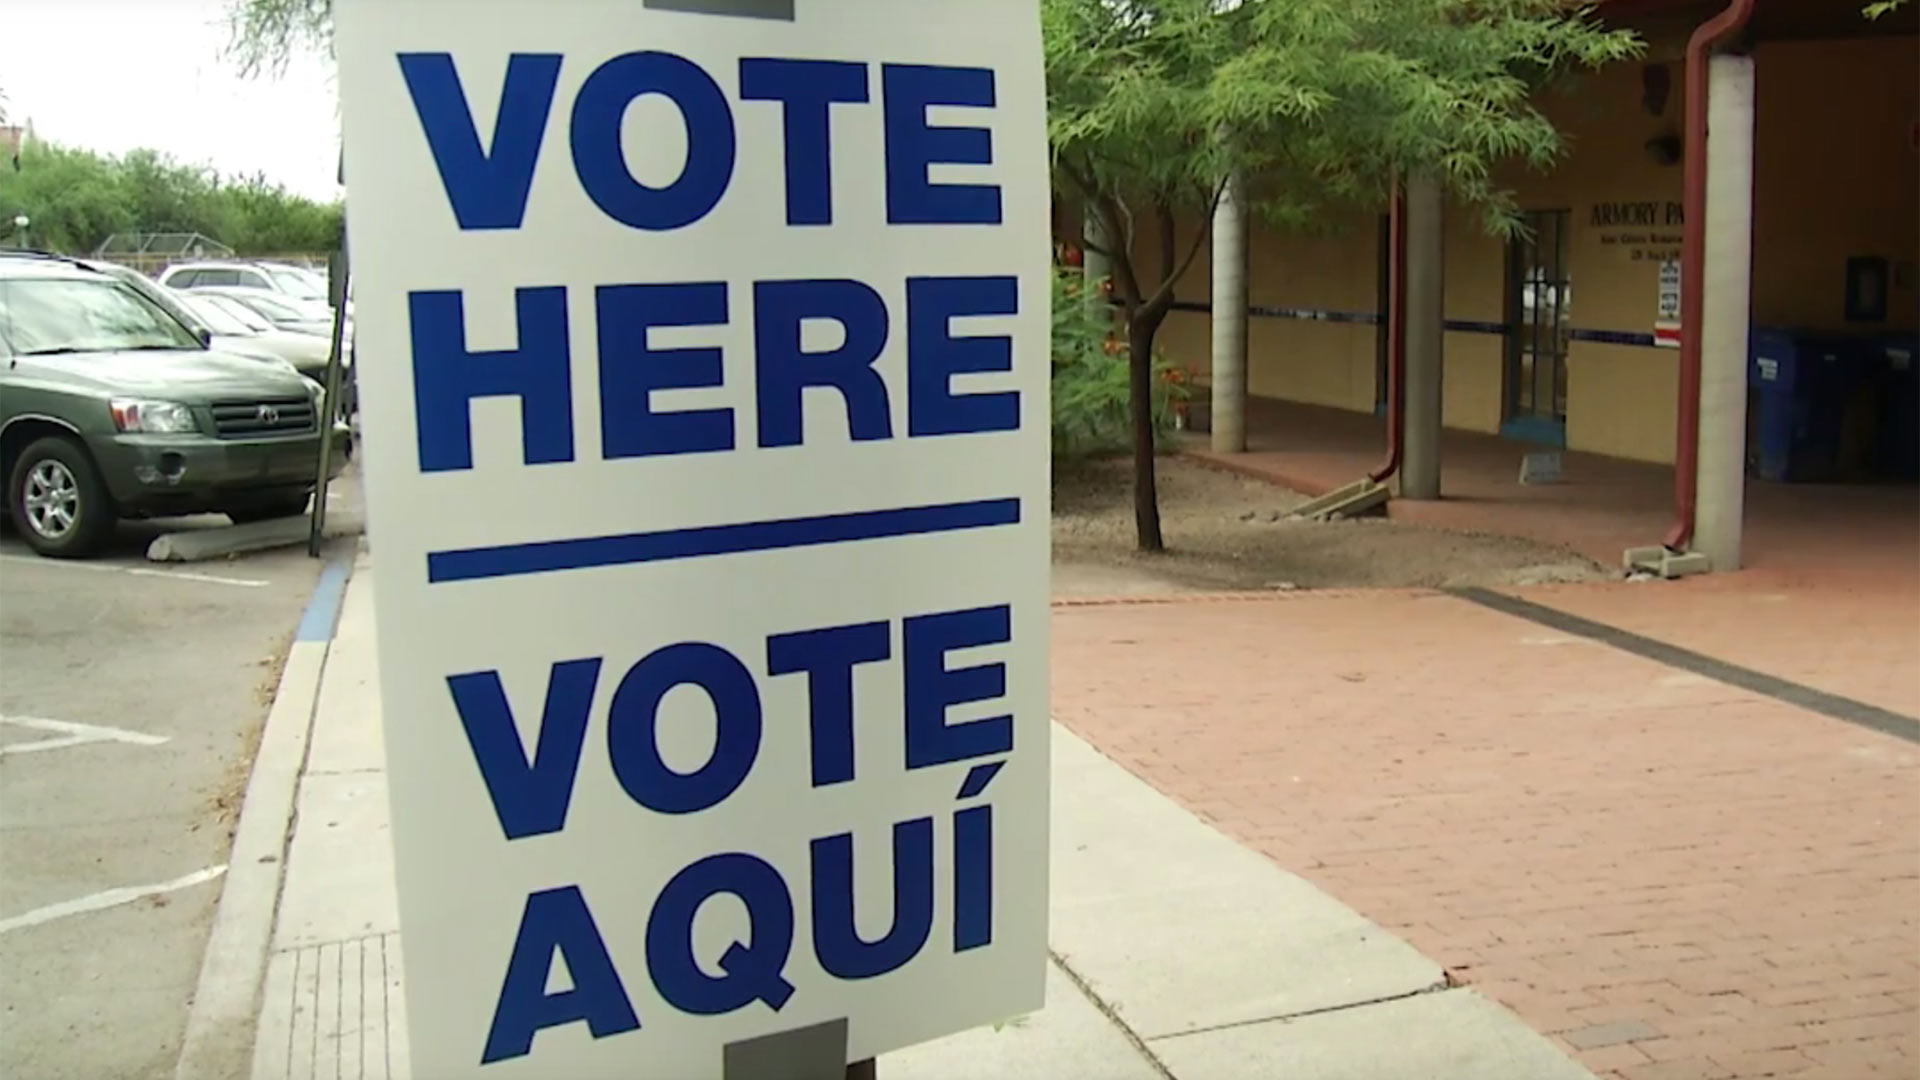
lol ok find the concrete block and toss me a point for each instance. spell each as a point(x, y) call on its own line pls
point(1447, 1035)
point(1658, 560)
point(198, 545)
point(1354, 499)
point(1069, 1038)
point(1540, 468)
point(1177, 928)
point(1685, 564)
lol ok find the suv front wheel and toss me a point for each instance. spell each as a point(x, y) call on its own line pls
point(57, 501)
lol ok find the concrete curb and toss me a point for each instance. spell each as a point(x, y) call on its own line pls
point(219, 1035)
point(195, 545)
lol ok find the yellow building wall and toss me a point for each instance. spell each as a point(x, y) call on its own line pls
point(1625, 218)
point(1317, 362)
point(1186, 338)
point(1836, 175)
point(1473, 360)
point(1320, 363)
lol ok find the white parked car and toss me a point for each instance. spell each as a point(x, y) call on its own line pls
point(296, 282)
point(231, 320)
point(282, 310)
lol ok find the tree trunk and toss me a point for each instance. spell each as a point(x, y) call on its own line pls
point(1146, 496)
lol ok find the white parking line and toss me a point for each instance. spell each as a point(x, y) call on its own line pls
point(100, 901)
point(72, 734)
point(137, 571)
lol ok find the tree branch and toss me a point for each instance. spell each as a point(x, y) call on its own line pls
point(1163, 296)
point(1164, 213)
point(1125, 231)
point(1082, 178)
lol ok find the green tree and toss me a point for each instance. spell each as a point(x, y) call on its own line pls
point(1883, 7)
point(77, 198)
point(1318, 104)
point(267, 33)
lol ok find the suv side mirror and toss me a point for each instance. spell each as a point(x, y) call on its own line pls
point(206, 337)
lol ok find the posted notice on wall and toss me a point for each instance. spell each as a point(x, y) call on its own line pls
point(1666, 322)
point(705, 409)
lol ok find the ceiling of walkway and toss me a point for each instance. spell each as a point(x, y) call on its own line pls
point(1774, 20)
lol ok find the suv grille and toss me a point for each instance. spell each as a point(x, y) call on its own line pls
point(274, 416)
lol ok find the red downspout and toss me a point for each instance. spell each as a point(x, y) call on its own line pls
point(1693, 270)
point(1396, 320)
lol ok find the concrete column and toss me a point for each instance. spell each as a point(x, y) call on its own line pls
point(1094, 267)
point(1229, 389)
point(1426, 329)
point(1726, 316)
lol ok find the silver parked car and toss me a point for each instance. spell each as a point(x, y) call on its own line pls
point(285, 278)
point(284, 311)
point(231, 320)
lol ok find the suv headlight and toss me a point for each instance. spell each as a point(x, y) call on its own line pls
point(153, 417)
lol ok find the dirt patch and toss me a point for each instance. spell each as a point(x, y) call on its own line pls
point(1230, 532)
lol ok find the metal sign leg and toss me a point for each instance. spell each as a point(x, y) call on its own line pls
point(337, 283)
point(810, 1053)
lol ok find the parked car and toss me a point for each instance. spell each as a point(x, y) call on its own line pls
point(285, 278)
point(283, 311)
point(112, 408)
point(282, 349)
point(231, 320)
point(235, 322)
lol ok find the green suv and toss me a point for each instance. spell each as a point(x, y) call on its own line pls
point(111, 408)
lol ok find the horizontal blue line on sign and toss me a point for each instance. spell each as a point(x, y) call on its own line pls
point(546, 556)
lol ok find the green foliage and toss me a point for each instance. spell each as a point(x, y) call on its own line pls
point(1090, 391)
point(1325, 100)
point(267, 33)
point(1883, 7)
point(77, 198)
point(1313, 104)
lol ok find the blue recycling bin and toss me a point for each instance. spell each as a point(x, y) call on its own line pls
point(1896, 452)
point(1803, 395)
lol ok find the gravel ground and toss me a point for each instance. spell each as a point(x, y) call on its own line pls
point(1229, 532)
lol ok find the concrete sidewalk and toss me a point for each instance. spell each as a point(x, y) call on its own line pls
point(1176, 952)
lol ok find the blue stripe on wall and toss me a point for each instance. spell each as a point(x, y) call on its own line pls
point(1464, 326)
point(1615, 337)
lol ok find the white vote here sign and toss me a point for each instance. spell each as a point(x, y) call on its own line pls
point(705, 408)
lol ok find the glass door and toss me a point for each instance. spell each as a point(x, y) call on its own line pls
point(1538, 328)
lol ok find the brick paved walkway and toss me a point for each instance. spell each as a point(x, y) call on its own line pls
point(1852, 634)
point(1672, 877)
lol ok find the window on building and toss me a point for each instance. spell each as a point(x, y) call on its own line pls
point(1539, 321)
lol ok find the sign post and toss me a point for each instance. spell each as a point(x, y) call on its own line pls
point(706, 461)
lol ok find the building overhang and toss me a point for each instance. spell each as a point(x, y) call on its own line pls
point(1773, 20)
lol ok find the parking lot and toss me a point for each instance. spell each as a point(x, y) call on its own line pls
point(132, 696)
